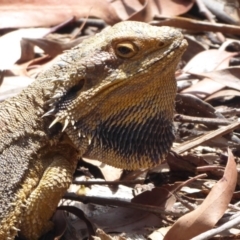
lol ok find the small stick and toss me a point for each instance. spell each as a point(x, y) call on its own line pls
point(116, 202)
point(199, 140)
point(206, 121)
point(208, 234)
point(203, 10)
point(89, 183)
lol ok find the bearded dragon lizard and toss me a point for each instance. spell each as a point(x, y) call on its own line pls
point(110, 98)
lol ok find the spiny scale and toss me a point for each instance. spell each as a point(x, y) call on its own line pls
point(66, 122)
point(49, 113)
point(57, 119)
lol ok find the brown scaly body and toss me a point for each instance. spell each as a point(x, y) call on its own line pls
point(114, 97)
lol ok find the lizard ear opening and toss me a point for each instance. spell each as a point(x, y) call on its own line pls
point(126, 50)
point(76, 87)
point(68, 97)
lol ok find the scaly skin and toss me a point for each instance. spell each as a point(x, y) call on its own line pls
point(30, 155)
point(110, 98)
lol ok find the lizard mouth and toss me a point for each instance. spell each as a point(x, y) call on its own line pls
point(178, 45)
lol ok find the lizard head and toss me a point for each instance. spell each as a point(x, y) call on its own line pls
point(116, 91)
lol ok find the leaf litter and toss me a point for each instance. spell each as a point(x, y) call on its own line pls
point(195, 193)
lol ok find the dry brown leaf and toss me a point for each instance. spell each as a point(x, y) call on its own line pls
point(204, 88)
point(187, 145)
point(223, 10)
point(49, 12)
point(122, 219)
point(110, 173)
point(53, 47)
point(52, 12)
point(10, 47)
point(197, 26)
point(211, 210)
point(168, 8)
point(194, 47)
point(146, 10)
point(223, 94)
point(135, 10)
point(215, 81)
point(60, 224)
point(201, 65)
point(229, 77)
point(160, 197)
point(208, 61)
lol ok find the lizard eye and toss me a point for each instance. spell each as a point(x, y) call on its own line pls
point(126, 50)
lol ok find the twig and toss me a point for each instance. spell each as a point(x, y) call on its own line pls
point(199, 140)
point(203, 10)
point(99, 23)
point(2, 73)
point(213, 232)
point(79, 30)
point(128, 182)
point(185, 203)
point(209, 168)
point(59, 26)
point(189, 181)
point(195, 25)
point(218, 9)
point(116, 202)
point(206, 121)
point(230, 112)
point(228, 218)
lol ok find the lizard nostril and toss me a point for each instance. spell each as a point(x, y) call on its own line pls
point(161, 44)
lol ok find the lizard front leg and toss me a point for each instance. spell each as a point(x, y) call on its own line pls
point(43, 200)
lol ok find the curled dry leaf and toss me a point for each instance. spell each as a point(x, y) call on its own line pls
point(204, 63)
point(160, 197)
point(110, 173)
point(134, 10)
point(51, 12)
point(146, 10)
point(121, 219)
point(196, 26)
point(228, 77)
point(53, 47)
point(10, 47)
point(211, 210)
point(223, 94)
point(60, 224)
point(204, 88)
point(215, 81)
point(168, 8)
point(223, 10)
point(194, 47)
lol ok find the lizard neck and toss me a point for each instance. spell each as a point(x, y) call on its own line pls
point(135, 128)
